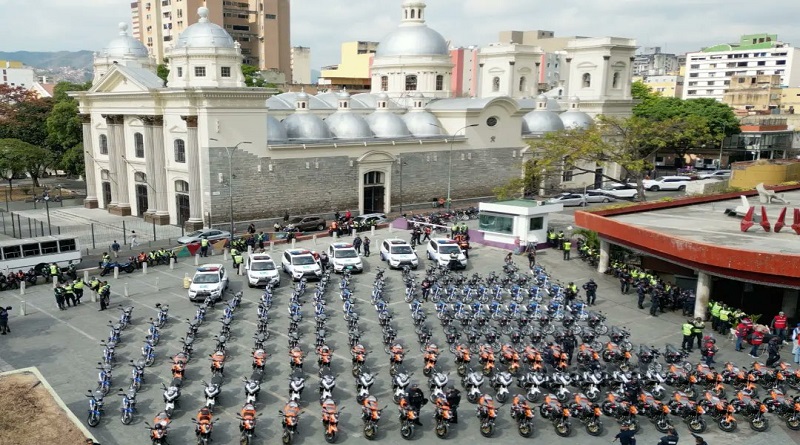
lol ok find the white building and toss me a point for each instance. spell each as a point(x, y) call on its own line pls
point(301, 65)
point(708, 72)
point(509, 69)
point(17, 75)
point(177, 153)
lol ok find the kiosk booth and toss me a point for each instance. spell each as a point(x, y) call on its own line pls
point(514, 223)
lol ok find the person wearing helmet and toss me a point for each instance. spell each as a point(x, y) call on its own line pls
point(453, 399)
point(416, 399)
point(591, 291)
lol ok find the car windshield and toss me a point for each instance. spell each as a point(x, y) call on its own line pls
point(195, 233)
point(262, 265)
point(402, 250)
point(303, 260)
point(447, 249)
point(206, 278)
point(345, 253)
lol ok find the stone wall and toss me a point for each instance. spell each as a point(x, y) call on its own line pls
point(332, 183)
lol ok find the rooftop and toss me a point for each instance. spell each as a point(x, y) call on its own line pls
point(707, 223)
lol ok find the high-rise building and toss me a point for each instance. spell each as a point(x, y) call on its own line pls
point(708, 72)
point(464, 82)
point(262, 27)
point(301, 65)
point(652, 62)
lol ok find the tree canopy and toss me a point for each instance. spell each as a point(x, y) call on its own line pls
point(252, 76)
point(17, 156)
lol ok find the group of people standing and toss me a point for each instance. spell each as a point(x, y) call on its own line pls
point(69, 293)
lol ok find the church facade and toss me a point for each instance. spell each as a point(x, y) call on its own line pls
point(205, 146)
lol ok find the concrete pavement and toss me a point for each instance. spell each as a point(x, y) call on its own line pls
point(64, 345)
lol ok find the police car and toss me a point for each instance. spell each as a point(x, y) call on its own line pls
point(209, 280)
point(343, 256)
point(398, 253)
point(442, 250)
point(300, 263)
point(261, 271)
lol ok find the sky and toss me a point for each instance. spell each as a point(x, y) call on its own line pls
point(677, 26)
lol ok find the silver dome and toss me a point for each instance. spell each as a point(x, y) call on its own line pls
point(276, 132)
point(541, 121)
point(125, 45)
point(576, 120)
point(422, 123)
point(413, 40)
point(386, 124)
point(204, 34)
point(305, 125)
point(347, 125)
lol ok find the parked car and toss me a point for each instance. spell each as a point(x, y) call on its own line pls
point(568, 199)
point(209, 234)
point(397, 253)
point(371, 219)
point(666, 183)
point(343, 256)
point(308, 223)
point(299, 263)
point(440, 250)
point(595, 196)
point(617, 190)
point(718, 174)
point(261, 271)
point(209, 280)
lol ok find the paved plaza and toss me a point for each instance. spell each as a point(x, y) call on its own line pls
point(64, 345)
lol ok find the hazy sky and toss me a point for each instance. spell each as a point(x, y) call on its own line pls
point(676, 25)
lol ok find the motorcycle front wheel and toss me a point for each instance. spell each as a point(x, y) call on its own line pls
point(369, 432)
point(663, 425)
point(487, 429)
point(441, 430)
point(563, 429)
point(245, 439)
point(93, 420)
point(126, 418)
point(525, 429)
point(330, 438)
point(793, 423)
point(407, 431)
point(697, 425)
point(727, 426)
point(286, 439)
point(594, 428)
point(760, 424)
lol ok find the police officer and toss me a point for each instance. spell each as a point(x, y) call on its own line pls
point(591, 291)
point(453, 399)
point(655, 299)
point(77, 289)
point(640, 290)
point(569, 342)
point(566, 245)
point(238, 259)
point(416, 399)
point(687, 329)
point(59, 294)
point(625, 435)
point(204, 247)
point(670, 439)
point(551, 237)
point(625, 282)
point(105, 295)
point(697, 331)
point(69, 295)
point(560, 240)
point(54, 272)
point(715, 308)
point(724, 319)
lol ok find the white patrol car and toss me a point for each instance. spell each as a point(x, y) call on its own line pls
point(261, 271)
point(209, 280)
point(300, 263)
point(343, 256)
point(398, 253)
point(442, 250)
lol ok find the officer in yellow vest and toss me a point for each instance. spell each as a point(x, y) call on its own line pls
point(724, 319)
point(567, 246)
point(53, 270)
point(686, 330)
point(204, 247)
point(551, 238)
point(77, 288)
point(237, 259)
point(69, 295)
point(715, 308)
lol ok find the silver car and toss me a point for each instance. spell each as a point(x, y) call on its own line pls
point(568, 199)
point(718, 174)
point(209, 234)
point(595, 196)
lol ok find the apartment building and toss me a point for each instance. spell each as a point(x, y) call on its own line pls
point(666, 86)
point(757, 94)
point(262, 27)
point(652, 62)
point(301, 65)
point(16, 74)
point(353, 71)
point(708, 72)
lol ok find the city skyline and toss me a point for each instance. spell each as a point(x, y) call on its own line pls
point(678, 27)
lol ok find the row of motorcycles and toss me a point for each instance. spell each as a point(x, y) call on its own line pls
point(542, 368)
point(110, 360)
point(13, 280)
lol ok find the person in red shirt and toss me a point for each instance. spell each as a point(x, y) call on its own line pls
point(758, 338)
point(779, 324)
point(742, 331)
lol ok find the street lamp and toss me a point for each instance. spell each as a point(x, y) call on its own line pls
point(450, 161)
point(46, 198)
point(401, 163)
point(230, 151)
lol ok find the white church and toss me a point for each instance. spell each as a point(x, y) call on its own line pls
point(176, 153)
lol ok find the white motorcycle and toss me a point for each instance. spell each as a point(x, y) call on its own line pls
point(500, 382)
point(296, 385)
point(472, 383)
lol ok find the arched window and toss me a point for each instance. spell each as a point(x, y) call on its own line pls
point(180, 151)
point(412, 13)
point(496, 84)
point(523, 83)
point(587, 80)
point(411, 83)
point(103, 146)
point(181, 186)
point(439, 82)
point(615, 81)
point(384, 83)
point(138, 143)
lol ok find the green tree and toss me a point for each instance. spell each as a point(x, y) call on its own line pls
point(11, 164)
point(719, 117)
point(162, 70)
point(252, 76)
point(27, 121)
point(32, 159)
point(72, 161)
point(64, 128)
point(642, 92)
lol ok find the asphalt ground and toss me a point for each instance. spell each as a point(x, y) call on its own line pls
point(64, 345)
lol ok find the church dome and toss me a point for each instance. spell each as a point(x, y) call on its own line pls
point(276, 132)
point(204, 34)
point(347, 125)
point(575, 118)
point(422, 123)
point(304, 125)
point(125, 45)
point(413, 37)
point(541, 121)
point(386, 124)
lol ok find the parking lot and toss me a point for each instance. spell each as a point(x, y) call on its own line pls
point(64, 345)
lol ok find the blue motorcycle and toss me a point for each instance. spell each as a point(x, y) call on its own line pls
point(95, 408)
point(108, 267)
point(128, 407)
